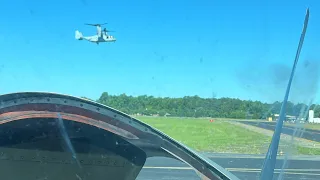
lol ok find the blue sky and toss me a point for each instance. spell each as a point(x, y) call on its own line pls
point(226, 48)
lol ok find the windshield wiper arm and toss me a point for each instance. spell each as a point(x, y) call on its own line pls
point(271, 156)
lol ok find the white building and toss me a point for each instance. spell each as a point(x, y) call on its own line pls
point(312, 119)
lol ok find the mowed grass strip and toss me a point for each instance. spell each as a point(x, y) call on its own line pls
point(203, 135)
point(218, 136)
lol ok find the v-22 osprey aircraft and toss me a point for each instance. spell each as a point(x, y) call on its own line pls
point(102, 35)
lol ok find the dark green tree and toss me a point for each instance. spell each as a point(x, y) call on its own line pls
point(195, 106)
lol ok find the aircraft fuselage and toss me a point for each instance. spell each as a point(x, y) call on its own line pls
point(97, 39)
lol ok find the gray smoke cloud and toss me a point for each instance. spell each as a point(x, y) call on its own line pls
point(269, 82)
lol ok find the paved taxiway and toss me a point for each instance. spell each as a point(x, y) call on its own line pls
point(313, 135)
point(244, 167)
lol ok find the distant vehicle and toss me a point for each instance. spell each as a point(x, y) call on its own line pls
point(102, 35)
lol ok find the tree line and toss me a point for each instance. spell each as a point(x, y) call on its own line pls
point(195, 106)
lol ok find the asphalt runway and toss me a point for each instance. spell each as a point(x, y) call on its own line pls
point(247, 168)
point(310, 134)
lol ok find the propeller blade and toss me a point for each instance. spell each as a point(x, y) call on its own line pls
point(95, 24)
point(90, 24)
point(106, 30)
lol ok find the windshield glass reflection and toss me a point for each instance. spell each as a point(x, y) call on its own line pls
point(156, 85)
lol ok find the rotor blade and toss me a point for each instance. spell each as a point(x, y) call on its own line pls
point(91, 24)
point(271, 156)
point(95, 24)
point(106, 30)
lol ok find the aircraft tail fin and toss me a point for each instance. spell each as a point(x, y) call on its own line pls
point(78, 35)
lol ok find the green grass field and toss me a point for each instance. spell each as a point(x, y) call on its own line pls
point(218, 136)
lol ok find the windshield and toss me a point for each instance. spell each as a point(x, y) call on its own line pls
point(157, 89)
